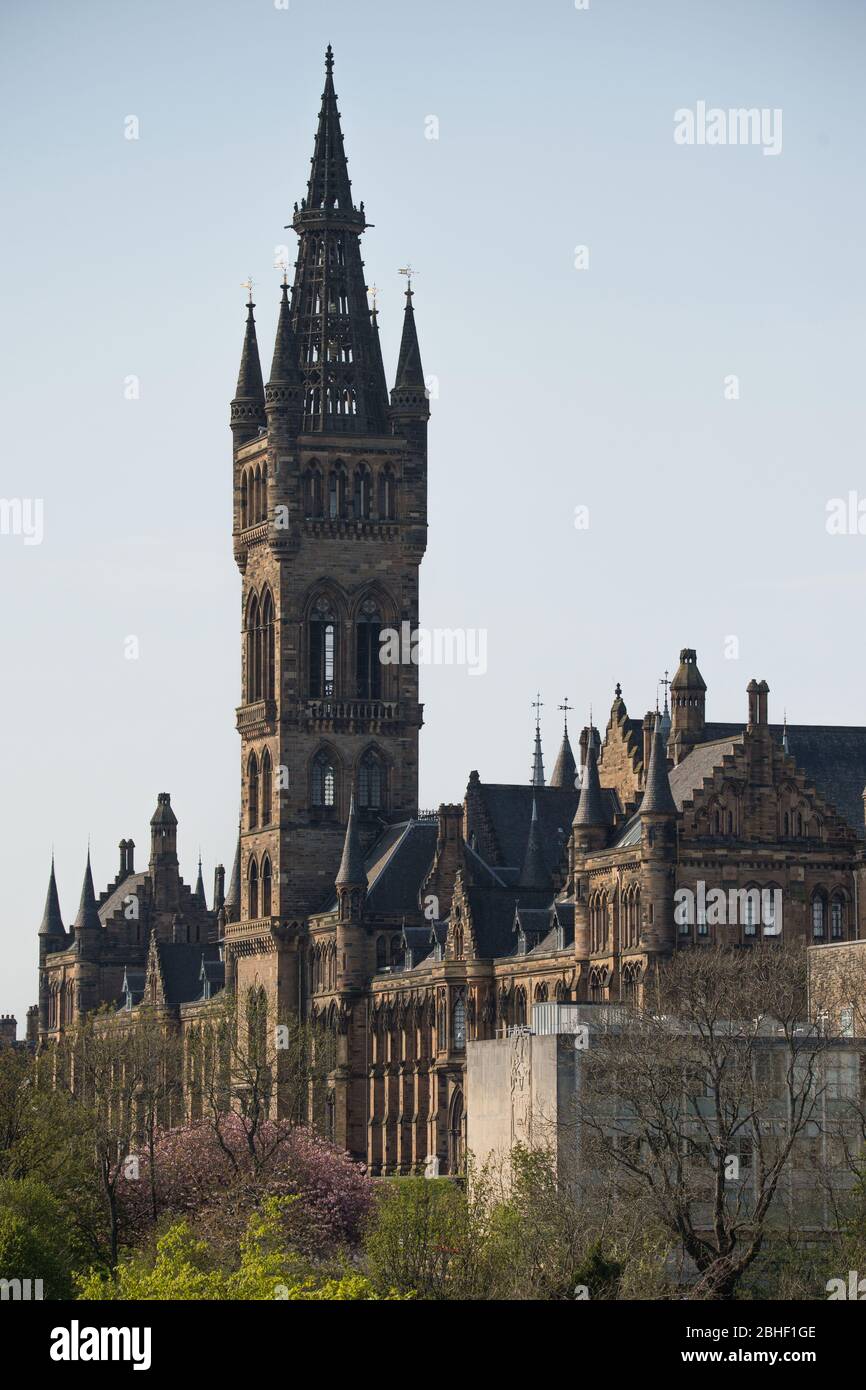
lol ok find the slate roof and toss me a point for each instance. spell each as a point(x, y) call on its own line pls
point(181, 963)
point(509, 807)
point(131, 884)
point(396, 866)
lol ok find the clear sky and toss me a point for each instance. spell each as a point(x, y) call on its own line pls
point(558, 388)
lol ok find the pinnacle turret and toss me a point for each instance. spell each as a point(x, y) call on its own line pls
point(590, 808)
point(248, 405)
point(52, 922)
point(658, 797)
point(88, 916)
point(409, 397)
point(284, 393)
point(351, 873)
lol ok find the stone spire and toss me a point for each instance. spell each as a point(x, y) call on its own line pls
point(534, 873)
point(52, 922)
point(248, 405)
point(658, 797)
point(351, 873)
point(88, 916)
point(343, 391)
point(565, 767)
point(590, 808)
point(537, 776)
point(199, 886)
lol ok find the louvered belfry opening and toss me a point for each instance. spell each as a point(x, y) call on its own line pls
point(344, 386)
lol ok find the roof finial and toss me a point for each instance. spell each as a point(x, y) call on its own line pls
point(565, 707)
point(537, 778)
point(329, 60)
point(408, 271)
point(785, 731)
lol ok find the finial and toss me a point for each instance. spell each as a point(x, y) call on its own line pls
point(329, 60)
point(373, 291)
point(248, 285)
point(537, 704)
point(618, 690)
point(590, 717)
point(408, 271)
point(565, 707)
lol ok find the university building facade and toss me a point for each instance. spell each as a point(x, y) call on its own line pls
point(401, 935)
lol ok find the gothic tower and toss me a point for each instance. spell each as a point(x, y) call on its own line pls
point(330, 521)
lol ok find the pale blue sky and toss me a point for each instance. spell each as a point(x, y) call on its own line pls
point(556, 387)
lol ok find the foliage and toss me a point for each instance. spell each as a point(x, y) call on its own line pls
point(33, 1238)
point(185, 1268)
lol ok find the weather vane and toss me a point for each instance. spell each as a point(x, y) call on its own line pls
point(408, 271)
point(248, 285)
point(536, 705)
point(373, 290)
point(565, 707)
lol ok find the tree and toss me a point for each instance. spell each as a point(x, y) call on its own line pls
point(693, 1106)
point(185, 1267)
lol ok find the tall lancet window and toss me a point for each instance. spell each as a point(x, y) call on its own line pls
point(253, 890)
point(387, 495)
point(371, 782)
point(368, 666)
point(267, 656)
point(323, 781)
point(266, 788)
point(253, 791)
point(337, 494)
point(323, 647)
point(253, 651)
point(362, 493)
point(266, 886)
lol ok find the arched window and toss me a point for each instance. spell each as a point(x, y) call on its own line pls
point(245, 499)
point(337, 494)
point(362, 492)
point(387, 495)
point(818, 916)
point(313, 500)
point(458, 1025)
point(323, 781)
point(266, 886)
point(253, 791)
point(371, 782)
point(253, 890)
point(266, 788)
point(396, 952)
point(267, 642)
point(258, 496)
point(368, 666)
point(837, 917)
point(323, 648)
point(630, 978)
point(253, 651)
point(520, 1007)
point(381, 952)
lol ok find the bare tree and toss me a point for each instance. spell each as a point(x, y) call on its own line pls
point(695, 1103)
